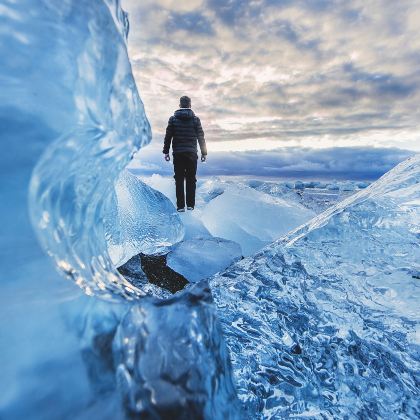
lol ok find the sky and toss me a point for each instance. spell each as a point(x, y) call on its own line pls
point(282, 87)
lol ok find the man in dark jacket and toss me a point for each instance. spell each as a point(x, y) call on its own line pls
point(184, 129)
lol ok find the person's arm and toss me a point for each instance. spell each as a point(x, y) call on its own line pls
point(168, 137)
point(200, 137)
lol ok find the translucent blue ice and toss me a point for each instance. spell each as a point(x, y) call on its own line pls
point(325, 322)
point(251, 218)
point(140, 219)
point(199, 258)
point(71, 119)
point(172, 360)
point(87, 79)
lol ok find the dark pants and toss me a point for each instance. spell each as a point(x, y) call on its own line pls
point(185, 168)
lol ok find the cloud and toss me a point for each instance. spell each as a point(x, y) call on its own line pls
point(329, 163)
point(177, 5)
point(302, 69)
point(385, 86)
point(194, 23)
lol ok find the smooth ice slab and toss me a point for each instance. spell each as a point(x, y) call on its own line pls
point(199, 258)
point(251, 218)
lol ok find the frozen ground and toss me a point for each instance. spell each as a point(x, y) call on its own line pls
point(230, 220)
point(254, 212)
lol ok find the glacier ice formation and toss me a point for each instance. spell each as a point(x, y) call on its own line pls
point(199, 258)
point(323, 323)
point(251, 218)
point(172, 361)
point(94, 109)
point(70, 120)
point(140, 219)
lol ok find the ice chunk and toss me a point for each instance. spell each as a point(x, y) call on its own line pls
point(313, 196)
point(71, 118)
point(299, 185)
point(141, 219)
point(325, 320)
point(362, 184)
point(172, 361)
point(347, 186)
point(97, 122)
point(333, 187)
point(199, 258)
point(194, 227)
point(255, 183)
point(251, 218)
point(311, 184)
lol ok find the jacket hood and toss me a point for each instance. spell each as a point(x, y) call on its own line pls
point(184, 113)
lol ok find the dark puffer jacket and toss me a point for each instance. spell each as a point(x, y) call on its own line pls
point(184, 129)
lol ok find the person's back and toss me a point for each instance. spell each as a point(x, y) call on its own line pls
point(183, 131)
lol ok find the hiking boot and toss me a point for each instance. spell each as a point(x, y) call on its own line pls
point(190, 208)
point(181, 210)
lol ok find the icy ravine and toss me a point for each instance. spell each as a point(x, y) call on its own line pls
point(325, 322)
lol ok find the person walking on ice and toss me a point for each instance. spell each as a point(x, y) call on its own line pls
point(184, 130)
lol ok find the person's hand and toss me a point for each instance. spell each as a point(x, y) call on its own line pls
point(167, 157)
point(203, 158)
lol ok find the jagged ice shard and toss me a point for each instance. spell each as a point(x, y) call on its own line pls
point(324, 323)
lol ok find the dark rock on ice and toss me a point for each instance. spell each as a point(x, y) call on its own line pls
point(154, 269)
